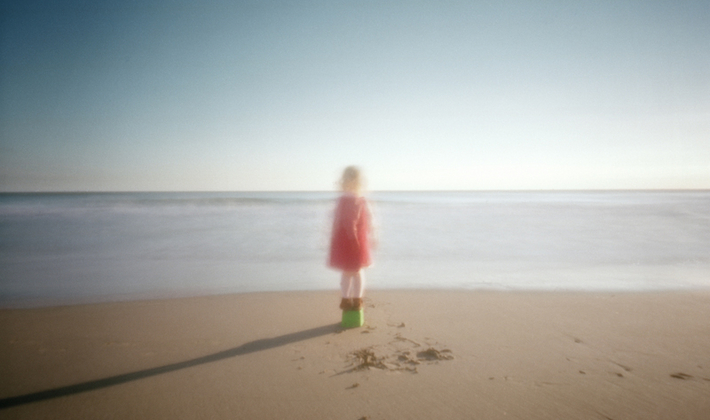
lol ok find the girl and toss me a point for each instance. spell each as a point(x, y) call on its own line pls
point(350, 240)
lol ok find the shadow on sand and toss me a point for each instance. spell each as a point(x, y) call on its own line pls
point(251, 347)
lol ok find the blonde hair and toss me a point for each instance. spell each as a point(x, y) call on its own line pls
point(351, 181)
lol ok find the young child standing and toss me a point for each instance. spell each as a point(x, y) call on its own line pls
point(350, 240)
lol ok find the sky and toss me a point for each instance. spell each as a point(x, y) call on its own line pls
point(158, 95)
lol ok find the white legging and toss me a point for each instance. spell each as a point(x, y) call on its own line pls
point(352, 284)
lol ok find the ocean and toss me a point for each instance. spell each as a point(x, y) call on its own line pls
point(69, 248)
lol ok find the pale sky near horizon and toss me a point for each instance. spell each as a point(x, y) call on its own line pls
point(164, 95)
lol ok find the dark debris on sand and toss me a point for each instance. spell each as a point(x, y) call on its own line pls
point(406, 360)
point(433, 354)
point(366, 358)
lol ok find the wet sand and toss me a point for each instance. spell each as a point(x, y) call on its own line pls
point(420, 355)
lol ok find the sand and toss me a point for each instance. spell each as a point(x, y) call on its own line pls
point(420, 355)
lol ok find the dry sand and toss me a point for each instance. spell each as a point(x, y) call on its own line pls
point(421, 355)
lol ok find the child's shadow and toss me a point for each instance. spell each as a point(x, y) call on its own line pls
point(251, 347)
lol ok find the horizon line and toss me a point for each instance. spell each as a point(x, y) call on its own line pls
point(366, 192)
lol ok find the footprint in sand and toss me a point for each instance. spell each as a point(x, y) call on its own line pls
point(685, 376)
point(626, 368)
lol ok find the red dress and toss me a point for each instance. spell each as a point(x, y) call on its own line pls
point(349, 244)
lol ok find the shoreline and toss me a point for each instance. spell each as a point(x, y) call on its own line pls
point(383, 276)
point(48, 303)
point(514, 354)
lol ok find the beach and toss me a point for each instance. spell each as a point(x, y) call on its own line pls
point(421, 354)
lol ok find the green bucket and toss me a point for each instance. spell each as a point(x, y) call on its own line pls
point(353, 319)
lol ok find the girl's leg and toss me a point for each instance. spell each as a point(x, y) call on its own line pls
point(346, 303)
point(358, 289)
point(358, 284)
point(346, 284)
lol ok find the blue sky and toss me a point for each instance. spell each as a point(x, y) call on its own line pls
point(175, 95)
